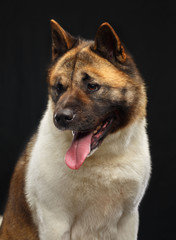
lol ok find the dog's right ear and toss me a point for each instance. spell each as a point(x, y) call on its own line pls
point(61, 40)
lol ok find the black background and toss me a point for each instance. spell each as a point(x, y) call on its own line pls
point(148, 31)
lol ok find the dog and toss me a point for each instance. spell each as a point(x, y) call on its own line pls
point(84, 172)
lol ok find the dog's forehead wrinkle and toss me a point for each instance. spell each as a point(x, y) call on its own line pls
point(80, 58)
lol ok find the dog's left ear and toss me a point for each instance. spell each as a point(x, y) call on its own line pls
point(108, 44)
point(62, 41)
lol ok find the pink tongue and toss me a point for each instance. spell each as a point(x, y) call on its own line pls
point(78, 151)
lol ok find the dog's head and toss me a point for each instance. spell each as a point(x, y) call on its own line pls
point(95, 89)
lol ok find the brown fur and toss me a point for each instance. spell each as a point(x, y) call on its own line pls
point(17, 221)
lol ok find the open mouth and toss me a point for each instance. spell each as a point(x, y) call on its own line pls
point(84, 143)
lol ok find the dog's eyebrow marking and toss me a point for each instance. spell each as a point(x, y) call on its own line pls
point(124, 91)
point(85, 77)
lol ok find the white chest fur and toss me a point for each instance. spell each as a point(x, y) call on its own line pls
point(96, 201)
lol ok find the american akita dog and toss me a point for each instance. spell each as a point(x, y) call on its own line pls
point(85, 171)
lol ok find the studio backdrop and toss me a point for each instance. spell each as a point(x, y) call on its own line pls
point(148, 31)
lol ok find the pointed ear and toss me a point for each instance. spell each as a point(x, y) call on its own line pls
point(61, 40)
point(108, 43)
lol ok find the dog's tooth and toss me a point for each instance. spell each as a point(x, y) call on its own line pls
point(73, 133)
point(98, 127)
point(96, 130)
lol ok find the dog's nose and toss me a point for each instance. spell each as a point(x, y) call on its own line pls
point(63, 117)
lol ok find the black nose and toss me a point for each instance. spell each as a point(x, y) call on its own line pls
point(63, 117)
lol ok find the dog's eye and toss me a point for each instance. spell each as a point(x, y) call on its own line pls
point(59, 87)
point(93, 87)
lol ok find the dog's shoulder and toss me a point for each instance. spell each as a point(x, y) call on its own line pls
point(17, 217)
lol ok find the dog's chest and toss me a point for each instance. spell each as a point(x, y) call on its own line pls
point(75, 204)
point(78, 208)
